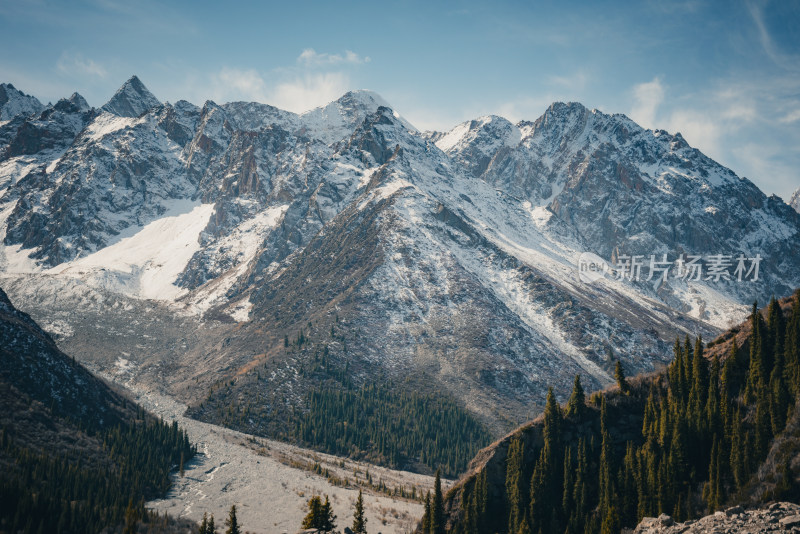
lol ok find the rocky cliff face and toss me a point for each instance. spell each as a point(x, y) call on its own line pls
point(795, 200)
point(446, 257)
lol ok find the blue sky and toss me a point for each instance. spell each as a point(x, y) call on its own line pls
point(724, 74)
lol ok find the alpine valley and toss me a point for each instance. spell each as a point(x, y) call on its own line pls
point(258, 265)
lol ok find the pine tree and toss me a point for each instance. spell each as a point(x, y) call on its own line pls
point(437, 507)
point(726, 387)
point(545, 489)
point(577, 400)
point(619, 375)
point(792, 348)
point(328, 520)
point(580, 494)
point(313, 518)
point(515, 487)
point(611, 522)
point(756, 371)
point(427, 515)
point(131, 518)
point(699, 390)
point(204, 524)
point(605, 482)
point(569, 483)
point(211, 528)
point(359, 521)
point(232, 522)
point(714, 422)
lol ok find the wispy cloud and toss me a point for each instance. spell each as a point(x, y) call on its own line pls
point(311, 57)
point(239, 84)
point(298, 93)
point(77, 65)
point(785, 61)
point(792, 116)
point(647, 98)
point(700, 129)
point(310, 91)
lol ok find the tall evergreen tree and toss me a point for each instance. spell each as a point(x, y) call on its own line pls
point(546, 488)
point(359, 521)
point(606, 469)
point(328, 517)
point(515, 485)
point(437, 507)
point(232, 522)
point(427, 516)
point(619, 375)
point(577, 400)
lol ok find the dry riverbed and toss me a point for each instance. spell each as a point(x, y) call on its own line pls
point(270, 481)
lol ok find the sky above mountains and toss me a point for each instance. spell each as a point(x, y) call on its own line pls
point(724, 74)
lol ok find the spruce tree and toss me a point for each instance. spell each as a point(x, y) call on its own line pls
point(359, 521)
point(577, 400)
point(569, 483)
point(232, 522)
point(437, 507)
point(328, 521)
point(313, 518)
point(755, 371)
point(515, 486)
point(605, 482)
point(619, 375)
point(427, 515)
point(203, 524)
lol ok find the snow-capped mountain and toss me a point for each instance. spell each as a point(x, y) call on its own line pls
point(795, 200)
point(427, 258)
point(14, 103)
point(131, 100)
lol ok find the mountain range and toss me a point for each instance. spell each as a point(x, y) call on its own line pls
point(221, 251)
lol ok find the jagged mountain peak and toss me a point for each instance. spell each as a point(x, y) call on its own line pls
point(337, 120)
point(14, 102)
point(132, 99)
point(79, 101)
point(489, 131)
point(74, 104)
point(363, 97)
point(795, 200)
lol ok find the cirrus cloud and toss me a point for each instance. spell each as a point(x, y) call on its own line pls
point(311, 57)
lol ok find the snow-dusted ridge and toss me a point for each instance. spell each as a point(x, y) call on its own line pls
point(454, 252)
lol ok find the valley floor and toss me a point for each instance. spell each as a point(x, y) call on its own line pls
point(270, 481)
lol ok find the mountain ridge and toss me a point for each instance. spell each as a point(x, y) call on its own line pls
point(457, 268)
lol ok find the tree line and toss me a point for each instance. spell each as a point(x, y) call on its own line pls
point(702, 429)
point(44, 492)
point(391, 428)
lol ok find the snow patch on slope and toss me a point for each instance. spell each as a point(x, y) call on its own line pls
point(146, 263)
point(241, 246)
point(107, 123)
